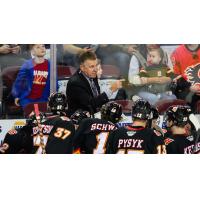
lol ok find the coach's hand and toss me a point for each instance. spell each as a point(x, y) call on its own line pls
point(116, 85)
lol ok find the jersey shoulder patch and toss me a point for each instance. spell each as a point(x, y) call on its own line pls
point(12, 132)
point(168, 141)
point(158, 133)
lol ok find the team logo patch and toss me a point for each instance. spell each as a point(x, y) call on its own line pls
point(168, 141)
point(192, 74)
point(131, 133)
point(190, 138)
point(175, 108)
point(157, 133)
point(12, 132)
point(164, 131)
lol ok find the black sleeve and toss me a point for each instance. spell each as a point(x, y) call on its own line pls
point(12, 142)
point(156, 144)
point(78, 137)
point(182, 84)
point(110, 143)
point(160, 147)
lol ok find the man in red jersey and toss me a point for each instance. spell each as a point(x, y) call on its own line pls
point(184, 58)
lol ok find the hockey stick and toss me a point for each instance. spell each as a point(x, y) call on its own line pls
point(196, 124)
point(37, 113)
point(159, 129)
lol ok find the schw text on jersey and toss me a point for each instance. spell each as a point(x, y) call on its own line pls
point(102, 127)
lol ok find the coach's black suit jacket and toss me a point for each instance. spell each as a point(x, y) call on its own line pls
point(80, 96)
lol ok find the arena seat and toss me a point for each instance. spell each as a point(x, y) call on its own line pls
point(110, 71)
point(9, 75)
point(163, 105)
point(126, 105)
point(64, 71)
point(43, 107)
point(197, 107)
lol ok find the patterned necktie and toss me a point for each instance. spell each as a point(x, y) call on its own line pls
point(94, 88)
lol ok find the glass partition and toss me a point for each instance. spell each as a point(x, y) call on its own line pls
point(146, 71)
point(12, 58)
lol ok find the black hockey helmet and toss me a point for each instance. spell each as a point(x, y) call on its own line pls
point(57, 102)
point(141, 109)
point(179, 115)
point(33, 120)
point(111, 111)
point(79, 115)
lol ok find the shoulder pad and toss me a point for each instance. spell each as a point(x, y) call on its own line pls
point(12, 132)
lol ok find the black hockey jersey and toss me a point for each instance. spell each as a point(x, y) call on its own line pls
point(60, 140)
point(92, 135)
point(56, 137)
point(181, 144)
point(135, 140)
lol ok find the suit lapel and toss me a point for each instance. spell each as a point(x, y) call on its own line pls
point(86, 82)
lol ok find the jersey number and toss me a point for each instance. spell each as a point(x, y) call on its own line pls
point(101, 143)
point(62, 133)
point(130, 151)
point(161, 149)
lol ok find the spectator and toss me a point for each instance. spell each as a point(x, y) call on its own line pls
point(10, 55)
point(185, 56)
point(67, 54)
point(33, 80)
point(153, 76)
point(116, 54)
point(83, 91)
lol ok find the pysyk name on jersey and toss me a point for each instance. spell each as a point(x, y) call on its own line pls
point(130, 143)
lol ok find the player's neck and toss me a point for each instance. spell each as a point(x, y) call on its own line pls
point(178, 130)
point(139, 123)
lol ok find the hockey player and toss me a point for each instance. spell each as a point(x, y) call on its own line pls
point(22, 140)
point(136, 138)
point(180, 138)
point(43, 134)
point(92, 134)
point(78, 116)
